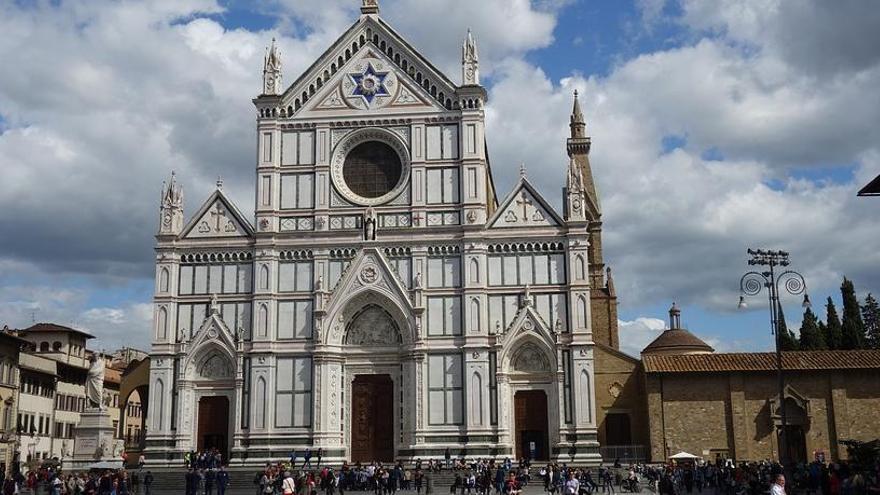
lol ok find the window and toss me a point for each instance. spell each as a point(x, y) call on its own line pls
point(442, 186)
point(297, 191)
point(372, 169)
point(444, 316)
point(444, 271)
point(215, 279)
point(403, 267)
point(445, 389)
point(442, 142)
point(293, 397)
point(297, 148)
point(334, 271)
point(295, 276)
point(526, 269)
point(295, 319)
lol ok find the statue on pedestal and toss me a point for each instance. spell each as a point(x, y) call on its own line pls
point(95, 382)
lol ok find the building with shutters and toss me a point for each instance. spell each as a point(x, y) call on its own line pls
point(385, 301)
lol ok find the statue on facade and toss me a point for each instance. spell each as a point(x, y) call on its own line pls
point(95, 382)
point(370, 225)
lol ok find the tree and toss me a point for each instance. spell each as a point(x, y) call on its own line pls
point(852, 328)
point(871, 319)
point(812, 338)
point(787, 340)
point(833, 331)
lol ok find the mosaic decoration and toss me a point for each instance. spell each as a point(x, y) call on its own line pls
point(369, 84)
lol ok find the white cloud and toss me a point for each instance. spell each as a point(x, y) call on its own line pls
point(638, 333)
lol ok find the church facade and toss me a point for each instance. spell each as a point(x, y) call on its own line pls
point(385, 303)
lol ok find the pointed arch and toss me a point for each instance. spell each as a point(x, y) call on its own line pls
point(164, 280)
point(260, 403)
point(586, 395)
point(580, 268)
point(474, 271)
point(263, 320)
point(581, 312)
point(264, 277)
point(476, 399)
point(474, 311)
point(159, 403)
point(162, 324)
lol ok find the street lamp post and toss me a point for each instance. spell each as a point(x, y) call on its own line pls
point(793, 282)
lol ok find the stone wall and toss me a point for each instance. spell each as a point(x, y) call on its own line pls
point(620, 374)
point(730, 412)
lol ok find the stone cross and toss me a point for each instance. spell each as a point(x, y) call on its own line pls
point(525, 202)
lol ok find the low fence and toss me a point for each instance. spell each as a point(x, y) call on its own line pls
point(626, 454)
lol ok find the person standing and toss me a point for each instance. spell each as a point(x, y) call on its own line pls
point(572, 486)
point(148, 483)
point(447, 456)
point(320, 455)
point(778, 487)
point(210, 477)
point(307, 459)
point(222, 481)
point(429, 483)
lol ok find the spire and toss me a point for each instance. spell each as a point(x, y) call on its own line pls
point(370, 7)
point(522, 170)
point(470, 63)
point(272, 70)
point(171, 207)
point(578, 125)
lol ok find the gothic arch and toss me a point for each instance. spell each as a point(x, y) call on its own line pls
point(342, 317)
point(476, 397)
point(162, 323)
point(260, 403)
point(263, 320)
point(372, 325)
point(586, 396)
point(581, 311)
point(474, 311)
point(475, 271)
point(580, 268)
point(534, 342)
point(264, 277)
point(159, 396)
point(529, 358)
point(164, 279)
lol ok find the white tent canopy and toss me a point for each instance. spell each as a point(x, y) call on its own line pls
point(683, 455)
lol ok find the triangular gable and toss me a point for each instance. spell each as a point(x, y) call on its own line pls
point(218, 217)
point(391, 88)
point(524, 207)
point(308, 87)
point(527, 326)
point(369, 271)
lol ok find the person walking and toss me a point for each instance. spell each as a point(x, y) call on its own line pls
point(307, 459)
point(428, 480)
point(320, 455)
point(448, 457)
point(778, 487)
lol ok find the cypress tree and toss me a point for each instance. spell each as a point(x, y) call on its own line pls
point(787, 341)
point(871, 319)
point(833, 331)
point(812, 338)
point(852, 328)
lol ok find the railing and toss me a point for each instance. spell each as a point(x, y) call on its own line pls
point(624, 453)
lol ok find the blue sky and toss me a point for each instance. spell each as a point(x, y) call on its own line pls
point(716, 126)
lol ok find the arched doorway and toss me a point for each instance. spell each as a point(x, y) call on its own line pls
point(372, 418)
point(213, 425)
point(532, 428)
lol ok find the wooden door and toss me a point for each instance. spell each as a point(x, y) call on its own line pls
point(372, 418)
point(214, 425)
point(530, 420)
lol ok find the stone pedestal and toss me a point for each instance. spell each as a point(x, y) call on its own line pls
point(94, 441)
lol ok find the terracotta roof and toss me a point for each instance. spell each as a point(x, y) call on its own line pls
point(113, 376)
point(762, 361)
point(677, 339)
point(52, 327)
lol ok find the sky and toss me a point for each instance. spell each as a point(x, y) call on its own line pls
point(717, 125)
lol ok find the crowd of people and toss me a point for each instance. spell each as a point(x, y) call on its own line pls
point(55, 482)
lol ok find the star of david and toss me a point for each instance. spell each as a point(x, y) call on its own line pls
point(369, 84)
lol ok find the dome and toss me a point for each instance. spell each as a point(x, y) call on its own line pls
point(677, 340)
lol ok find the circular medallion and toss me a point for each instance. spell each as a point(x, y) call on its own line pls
point(369, 274)
point(370, 166)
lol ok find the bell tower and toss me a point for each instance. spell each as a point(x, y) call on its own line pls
point(603, 299)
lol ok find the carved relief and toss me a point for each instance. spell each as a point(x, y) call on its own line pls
point(372, 326)
point(216, 367)
point(530, 359)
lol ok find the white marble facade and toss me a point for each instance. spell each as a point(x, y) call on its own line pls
point(412, 269)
